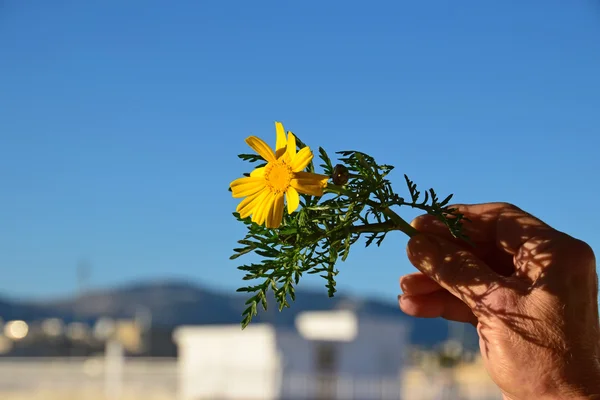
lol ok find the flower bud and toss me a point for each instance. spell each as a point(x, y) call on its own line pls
point(340, 175)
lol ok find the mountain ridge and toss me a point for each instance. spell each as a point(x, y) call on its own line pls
point(174, 302)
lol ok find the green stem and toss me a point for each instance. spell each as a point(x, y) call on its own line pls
point(399, 223)
point(332, 188)
point(374, 228)
point(366, 228)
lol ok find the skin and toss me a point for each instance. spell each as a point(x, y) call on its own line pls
point(530, 290)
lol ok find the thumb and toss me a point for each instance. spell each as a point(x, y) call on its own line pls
point(455, 269)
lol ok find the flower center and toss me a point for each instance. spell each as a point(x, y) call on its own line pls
point(278, 176)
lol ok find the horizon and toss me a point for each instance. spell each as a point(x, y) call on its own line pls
point(174, 281)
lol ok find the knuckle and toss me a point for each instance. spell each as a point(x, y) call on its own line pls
point(583, 250)
point(508, 206)
point(575, 248)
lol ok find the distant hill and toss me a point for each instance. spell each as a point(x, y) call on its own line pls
point(174, 303)
point(10, 309)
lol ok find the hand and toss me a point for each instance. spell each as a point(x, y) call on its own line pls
point(531, 291)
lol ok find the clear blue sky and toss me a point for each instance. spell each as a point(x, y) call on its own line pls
point(120, 122)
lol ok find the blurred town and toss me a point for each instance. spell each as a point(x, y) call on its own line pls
point(178, 341)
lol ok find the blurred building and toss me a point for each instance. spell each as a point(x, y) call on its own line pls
point(329, 355)
point(54, 337)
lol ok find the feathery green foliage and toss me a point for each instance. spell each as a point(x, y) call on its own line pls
point(357, 204)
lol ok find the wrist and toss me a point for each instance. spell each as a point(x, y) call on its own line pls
point(579, 383)
point(582, 384)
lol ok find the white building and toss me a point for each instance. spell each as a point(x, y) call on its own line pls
point(330, 355)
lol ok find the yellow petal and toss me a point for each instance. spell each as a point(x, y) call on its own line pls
point(248, 205)
point(293, 200)
point(309, 183)
point(275, 214)
point(262, 210)
point(258, 173)
point(291, 145)
point(281, 143)
point(246, 186)
point(261, 148)
point(302, 159)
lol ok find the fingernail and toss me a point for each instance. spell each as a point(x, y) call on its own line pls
point(403, 286)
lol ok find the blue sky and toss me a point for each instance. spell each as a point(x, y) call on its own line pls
point(120, 122)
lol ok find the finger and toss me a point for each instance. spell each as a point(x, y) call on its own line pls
point(532, 245)
point(476, 228)
point(492, 225)
point(438, 304)
point(478, 232)
point(418, 283)
point(479, 219)
point(455, 269)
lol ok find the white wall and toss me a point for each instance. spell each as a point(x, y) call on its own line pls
point(379, 350)
point(374, 360)
point(371, 355)
point(65, 378)
point(211, 357)
point(261, 362)
point(296, 364)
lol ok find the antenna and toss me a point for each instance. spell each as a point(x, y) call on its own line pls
point(84, 272)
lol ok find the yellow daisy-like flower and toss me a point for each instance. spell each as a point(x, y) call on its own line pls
point(264, 189)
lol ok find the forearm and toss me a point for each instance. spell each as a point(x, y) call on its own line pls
point(586, 391)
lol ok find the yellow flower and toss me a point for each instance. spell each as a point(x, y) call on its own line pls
point(265, 187)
